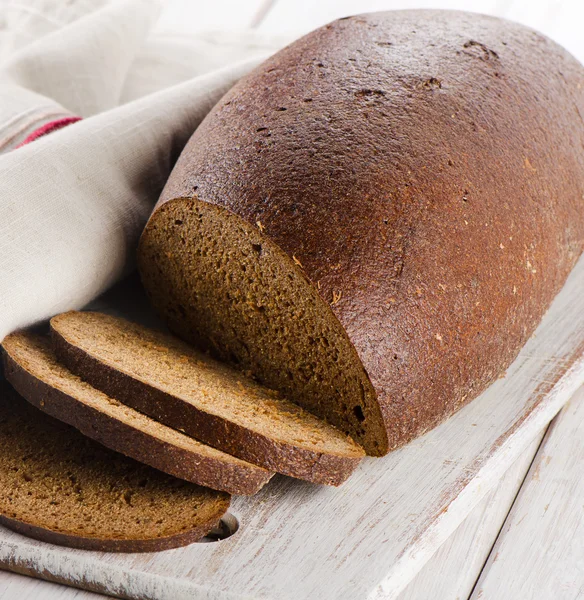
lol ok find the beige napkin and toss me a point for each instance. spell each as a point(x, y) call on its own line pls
point(73, 202)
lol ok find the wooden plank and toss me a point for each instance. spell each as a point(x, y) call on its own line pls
point(540, 552)
point(368, 538)
point(453, 571)
point(18, 587)
point(450, 573)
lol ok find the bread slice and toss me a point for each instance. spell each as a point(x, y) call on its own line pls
point(163, 377)
point(375, 220)
point(59, 486)
point(32, 368)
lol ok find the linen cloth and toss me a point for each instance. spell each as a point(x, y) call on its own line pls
point(73, 203)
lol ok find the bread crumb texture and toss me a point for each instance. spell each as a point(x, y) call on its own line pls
point(32, 368)
point(162, 376)
point(56, 483)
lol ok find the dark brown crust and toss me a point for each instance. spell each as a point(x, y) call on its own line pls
point(121, 437)
point(316, 467)
point(427, 169)
point(109, 545)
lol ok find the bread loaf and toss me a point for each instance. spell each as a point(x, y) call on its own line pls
point(375, 220)
point(32, 368)
point(58, 486)
point(163, 377)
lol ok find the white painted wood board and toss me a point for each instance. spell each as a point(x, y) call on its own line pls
point(368, 538)
point(540, 551)
point(455, 568)
point(17, 587)
point(450, 574)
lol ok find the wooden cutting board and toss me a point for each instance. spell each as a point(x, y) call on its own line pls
point(367, 539)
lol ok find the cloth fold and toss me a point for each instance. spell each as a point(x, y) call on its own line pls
point(73, 203)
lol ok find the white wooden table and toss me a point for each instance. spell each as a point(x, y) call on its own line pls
point(525, 539)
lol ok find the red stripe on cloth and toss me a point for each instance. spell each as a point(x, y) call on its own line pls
point(49, 128)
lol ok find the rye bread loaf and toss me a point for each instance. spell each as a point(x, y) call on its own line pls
point(33, 370)
point(163, 377)
point(59, 486)
point(375, 220)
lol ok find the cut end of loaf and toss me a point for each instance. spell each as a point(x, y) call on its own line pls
point(221, 284)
